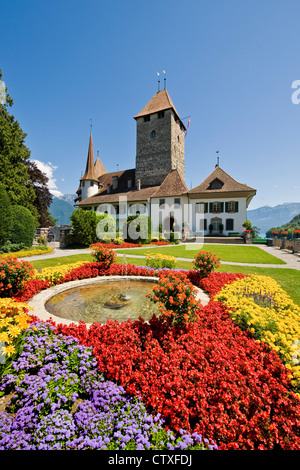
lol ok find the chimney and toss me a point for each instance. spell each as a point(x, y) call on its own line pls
point(108, 188)
point(138, 184)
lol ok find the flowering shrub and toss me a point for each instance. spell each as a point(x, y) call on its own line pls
point(274, 232)
point(206, 262)
point(284, 233)
point(61, 402)
point(177, 298)
point(297, 233)
point(259, 304)
point(209, 377)
point(158, 260)
point(104, 256)
point(13, 274)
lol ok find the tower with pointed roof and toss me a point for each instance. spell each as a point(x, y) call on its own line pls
point(159, 141)
point(93, 170)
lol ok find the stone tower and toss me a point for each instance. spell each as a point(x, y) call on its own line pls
point(159, 141)
point(89, 181)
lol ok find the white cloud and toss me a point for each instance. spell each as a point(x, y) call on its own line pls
point(56, 193)
point(49, 169)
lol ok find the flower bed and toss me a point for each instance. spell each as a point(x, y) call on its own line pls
point(208, 376)
point(29, 252)
point(159, 260)
point(259, 304)
point(60, 401)
point(55, 274)
point(113, 245)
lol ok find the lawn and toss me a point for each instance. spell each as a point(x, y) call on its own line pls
point(236, 254)
point(289, 279)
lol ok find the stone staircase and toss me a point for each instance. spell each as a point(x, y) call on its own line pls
point(216, 240)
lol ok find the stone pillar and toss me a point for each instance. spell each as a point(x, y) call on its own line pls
point(296, 248)
point(283, 243)
point(248, 237)
point(274, 240)
point(63, 240)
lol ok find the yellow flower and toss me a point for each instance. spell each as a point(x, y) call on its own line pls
point(270, 314)
point(9, 350)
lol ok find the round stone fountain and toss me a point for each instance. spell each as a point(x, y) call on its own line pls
point(96, 300)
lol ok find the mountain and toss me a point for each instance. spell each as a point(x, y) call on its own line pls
point(61, 208)
point(294, 224)
point(266, 217)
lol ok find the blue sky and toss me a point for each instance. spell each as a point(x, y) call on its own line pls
point(229, 64)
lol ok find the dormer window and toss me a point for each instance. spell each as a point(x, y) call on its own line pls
point(115, 182)
point(216, 184)
point(129, 183)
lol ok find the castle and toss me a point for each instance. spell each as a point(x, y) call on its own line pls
point(156, 186)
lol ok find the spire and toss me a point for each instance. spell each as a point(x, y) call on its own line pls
point(90, 173)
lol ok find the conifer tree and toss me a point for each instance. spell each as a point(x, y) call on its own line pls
point(13, 153)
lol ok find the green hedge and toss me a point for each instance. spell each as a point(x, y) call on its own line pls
point(23, 226)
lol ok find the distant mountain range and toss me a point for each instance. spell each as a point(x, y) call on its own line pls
point(61, 208)
point(266, 217)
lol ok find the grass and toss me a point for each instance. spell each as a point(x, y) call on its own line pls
point(288, 279)
point(240, 254)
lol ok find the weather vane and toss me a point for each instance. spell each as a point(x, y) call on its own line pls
point(158, 74)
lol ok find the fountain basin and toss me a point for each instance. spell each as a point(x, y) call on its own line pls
point(60, 303)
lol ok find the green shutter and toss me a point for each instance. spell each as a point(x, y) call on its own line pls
point(206, 207)
point(222, 207)
point(210, 207)
point(226, 206)
point(236, 206)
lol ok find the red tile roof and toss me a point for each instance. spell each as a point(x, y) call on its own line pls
point(228, 184)
point(161, 101)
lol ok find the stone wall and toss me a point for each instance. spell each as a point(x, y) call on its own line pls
point(159, 148)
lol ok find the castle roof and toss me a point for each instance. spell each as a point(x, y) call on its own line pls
point(99, 168)
point(173, 185)
point(161, 101)
point(219, 182)
point(90, 173)
point(111, 195)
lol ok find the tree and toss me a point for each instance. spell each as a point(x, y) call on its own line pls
point(294, 224)
point(23, 226)
point(84, 227)
point(38, 181)
point(13, 153)
point(5, 216)
point(137, 229)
